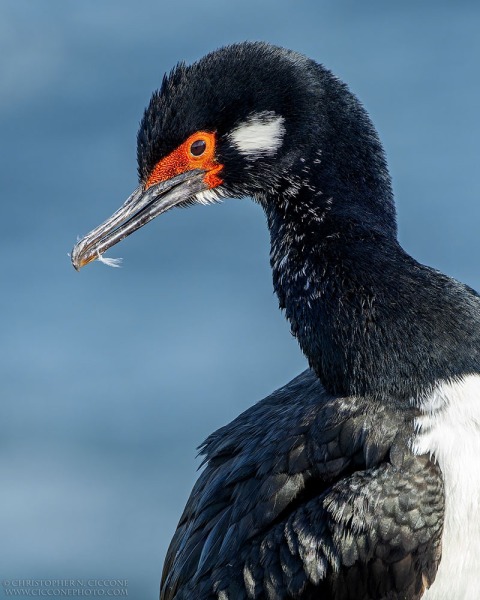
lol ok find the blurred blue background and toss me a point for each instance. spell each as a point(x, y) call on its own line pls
point(110, 378)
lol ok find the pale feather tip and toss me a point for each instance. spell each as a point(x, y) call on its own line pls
point(110, 262)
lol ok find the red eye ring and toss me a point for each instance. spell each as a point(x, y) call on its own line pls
point(196, 152)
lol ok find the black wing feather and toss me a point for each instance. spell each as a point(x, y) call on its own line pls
point(307, 495)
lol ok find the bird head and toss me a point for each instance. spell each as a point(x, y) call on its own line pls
point(249, 119)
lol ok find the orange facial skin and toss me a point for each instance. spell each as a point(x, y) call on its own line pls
point(181, 160)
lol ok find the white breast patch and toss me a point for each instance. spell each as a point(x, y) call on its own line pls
point(449, 430)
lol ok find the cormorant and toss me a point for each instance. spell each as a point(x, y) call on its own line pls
point(359, 479)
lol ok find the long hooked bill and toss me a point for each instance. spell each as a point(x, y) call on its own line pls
point(141, 207)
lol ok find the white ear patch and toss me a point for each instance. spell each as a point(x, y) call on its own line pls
point(261, 135)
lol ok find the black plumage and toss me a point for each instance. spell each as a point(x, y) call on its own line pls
point(304, 485)
point(317, 491)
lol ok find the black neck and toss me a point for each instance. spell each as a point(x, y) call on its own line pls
point(369, 318)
